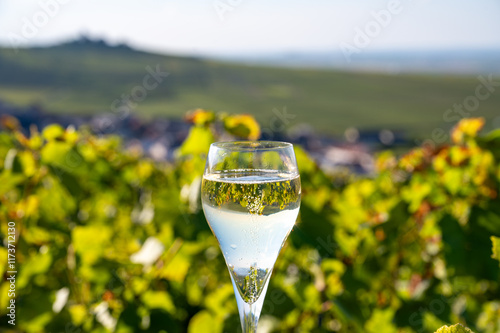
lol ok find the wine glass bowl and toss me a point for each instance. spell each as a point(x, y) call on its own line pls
point(251, 198)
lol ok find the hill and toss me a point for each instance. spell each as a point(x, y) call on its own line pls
point(89, 77)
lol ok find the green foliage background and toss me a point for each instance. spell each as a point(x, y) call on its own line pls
point(407, 250)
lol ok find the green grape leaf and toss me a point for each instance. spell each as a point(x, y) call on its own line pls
point(416, 192)
point(158, 300)
point(176, 269)
point(219, 300)
point(304, 162)
point(90, 241)
point(458, 328)
point(243, 126)
point(203, 321)
point(55, 202)
point(311, 298)
point(78, 313)
point(28, 163)
point(37, 235)
point(496, 248)
point(197, 142)
point(3, 263)
point(37, 264)
point(381, 321)
point(453, 180)
point(38, 323)
point(8, 181)
point(63, 156)
point(466, 128)
point(200, 117)
point(493, 136)
point(53, 132)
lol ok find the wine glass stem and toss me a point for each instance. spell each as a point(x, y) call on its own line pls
point(249, 313)
point(250, 319)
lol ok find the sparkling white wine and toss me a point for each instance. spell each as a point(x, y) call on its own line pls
point(251, 213)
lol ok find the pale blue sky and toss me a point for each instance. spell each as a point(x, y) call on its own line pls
point(256, 26)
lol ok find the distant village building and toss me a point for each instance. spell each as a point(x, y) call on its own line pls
point(158, 138)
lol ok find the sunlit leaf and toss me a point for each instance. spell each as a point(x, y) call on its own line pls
point(177, 269)
point(243, 126)
point(8, 181)
point(78, 314)
point(304, 162)
point(36, 264)
point(53, 132)
point(197, 142)
point(90, 241)
point(158, 300)
point(200, 117)
point(203, 322)
point(28, 163)
point(381, 321)
point(63, 156)
point(495, 248)
point(458, 328)
point(466, 128)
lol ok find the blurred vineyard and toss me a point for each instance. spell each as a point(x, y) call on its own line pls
point(110, 241)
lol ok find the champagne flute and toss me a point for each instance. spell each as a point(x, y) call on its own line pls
point(251, 198)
